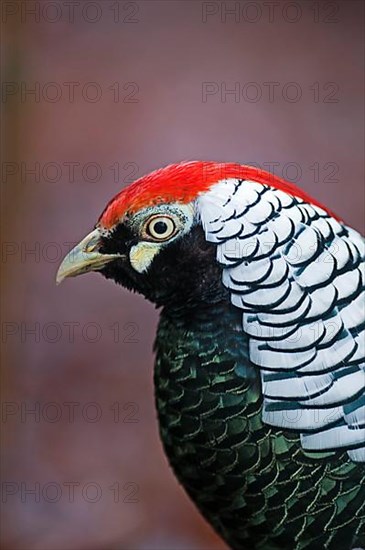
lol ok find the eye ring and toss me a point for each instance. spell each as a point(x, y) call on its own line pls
point(161, 228)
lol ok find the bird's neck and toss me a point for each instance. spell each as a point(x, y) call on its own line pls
point(208, 397)
point(203, 351)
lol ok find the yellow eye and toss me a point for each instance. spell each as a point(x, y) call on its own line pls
point(161, 228)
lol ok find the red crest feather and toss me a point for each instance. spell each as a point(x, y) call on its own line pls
point(183, 183)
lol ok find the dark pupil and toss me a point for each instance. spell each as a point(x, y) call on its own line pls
point(160, 228)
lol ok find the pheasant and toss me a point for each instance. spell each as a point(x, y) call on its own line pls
point(259, 373)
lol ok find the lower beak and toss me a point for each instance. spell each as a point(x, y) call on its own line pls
point(84, 257)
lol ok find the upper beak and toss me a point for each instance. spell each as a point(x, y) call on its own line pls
point(84, 257)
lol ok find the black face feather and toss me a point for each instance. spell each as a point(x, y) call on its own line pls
point(119, 240)
point(183, 274)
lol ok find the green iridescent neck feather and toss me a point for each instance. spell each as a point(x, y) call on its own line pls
point(252, 482)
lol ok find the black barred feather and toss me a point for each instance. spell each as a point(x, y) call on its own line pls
point(297, 275)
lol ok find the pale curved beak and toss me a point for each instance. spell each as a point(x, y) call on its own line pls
point(84, 257)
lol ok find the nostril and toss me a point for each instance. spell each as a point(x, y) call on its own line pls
point(90, 247)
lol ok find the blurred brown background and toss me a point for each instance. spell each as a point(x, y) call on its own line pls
point(120, 88)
